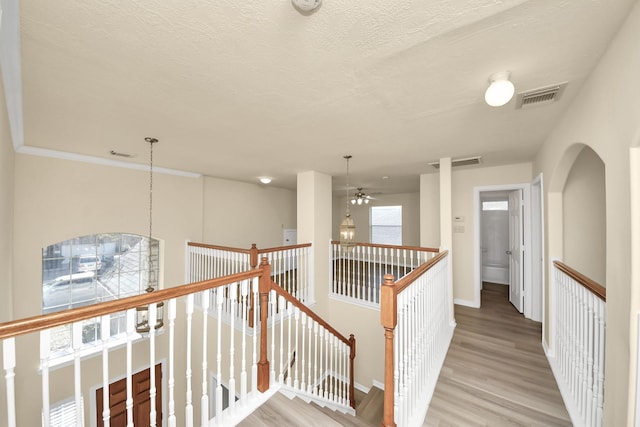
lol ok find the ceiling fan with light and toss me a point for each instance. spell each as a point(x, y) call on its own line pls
point(360, 197)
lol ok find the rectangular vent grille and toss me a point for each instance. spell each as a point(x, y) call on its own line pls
point(460, 162)
point(540, 96)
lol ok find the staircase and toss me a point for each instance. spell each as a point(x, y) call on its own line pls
point(282, 411)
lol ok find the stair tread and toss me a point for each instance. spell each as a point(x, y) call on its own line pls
point(282, 411)
point(371, 408)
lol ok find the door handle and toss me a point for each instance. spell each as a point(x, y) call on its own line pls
point(508, 252)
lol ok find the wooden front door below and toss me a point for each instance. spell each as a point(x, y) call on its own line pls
point(141, 382)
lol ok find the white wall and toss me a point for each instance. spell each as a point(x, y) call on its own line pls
point(6, 225)
point(430, 210)
point(410, 203)
point(6, 212)
point(464, 181)
point(604, 116)
point(239, 214)
point(584, 216)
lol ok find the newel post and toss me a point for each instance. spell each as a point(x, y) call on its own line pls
point(264, 288)
point(352, 379)
point(389, 320)
point(253, 261)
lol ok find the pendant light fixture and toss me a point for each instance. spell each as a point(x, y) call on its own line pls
point(143, 325)
point(347, 227)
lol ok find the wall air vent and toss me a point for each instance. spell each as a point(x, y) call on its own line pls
point(460, 162)
point(541, 96)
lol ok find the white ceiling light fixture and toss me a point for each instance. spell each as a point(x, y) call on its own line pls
point(500, 91)
point(306, 5)
point(265, 179)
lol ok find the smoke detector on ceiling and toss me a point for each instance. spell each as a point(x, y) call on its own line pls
point(306, 5)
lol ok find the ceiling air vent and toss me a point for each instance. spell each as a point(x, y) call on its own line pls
point(541, 96)
point(460, 162)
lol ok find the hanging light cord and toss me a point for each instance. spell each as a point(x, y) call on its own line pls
point(347, 157)
point(151, 141)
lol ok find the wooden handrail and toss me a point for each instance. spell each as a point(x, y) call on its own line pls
point(284, 248)
point(46, 321)
point(222, 248)
point(280, 291)
point(375, 245)
point(593, 286)
point(407, 280)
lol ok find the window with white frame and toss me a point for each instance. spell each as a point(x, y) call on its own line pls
point(92, 269)
point(386, 225)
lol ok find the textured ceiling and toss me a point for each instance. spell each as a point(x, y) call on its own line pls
point(244, 89)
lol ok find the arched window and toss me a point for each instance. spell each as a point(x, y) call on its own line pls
point(92, 269)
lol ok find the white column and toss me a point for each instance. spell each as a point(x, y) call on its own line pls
point(430, 210)
point(314, 222)
point(446, 223)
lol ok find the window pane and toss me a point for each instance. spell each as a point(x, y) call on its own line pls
point(386, 225)
point(501, 205)
point(92, 269)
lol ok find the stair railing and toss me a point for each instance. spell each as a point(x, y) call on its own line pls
point(246, 369)
point(291, 268)
point(415, 315)
point(579, 343)
point(359, 271)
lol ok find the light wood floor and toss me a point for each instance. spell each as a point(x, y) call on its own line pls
point(495, 372)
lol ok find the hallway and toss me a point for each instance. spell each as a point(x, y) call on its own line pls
point(495, 372)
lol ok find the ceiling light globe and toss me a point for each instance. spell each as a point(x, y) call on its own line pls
point(500, 91)
point(359, 201)
point(265, 180)
point(353, 201)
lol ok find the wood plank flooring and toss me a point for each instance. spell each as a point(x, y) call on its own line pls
point(495, 372)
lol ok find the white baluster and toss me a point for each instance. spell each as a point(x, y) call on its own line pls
point(77, 345)
point(219, 300)
point(254, 364)
point(321, 385)
point(9, 365)
point(204, 400)
point(297, 353)
point(283, 308)
point(153, 314)
point(45, 348)
point(188, 373)
point(309, 384)
point(289, 351)
point(273, 298)
point(131, 325)
point(233, 297)
point(315, 362)
point(171, 381)
point(302, 359)
point(106, 333)
point(244, 296)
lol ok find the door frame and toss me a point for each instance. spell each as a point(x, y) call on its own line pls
point(477, 259)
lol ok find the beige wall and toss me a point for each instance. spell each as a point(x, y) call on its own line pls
point(464, 182)
point(584, 216)
point(239, 214)
point(6, 211)
point(430, 210)
point(604, 116)
point(410, 203)
point(59, 199)
point(6, 225)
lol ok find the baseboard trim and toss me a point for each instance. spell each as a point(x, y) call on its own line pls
point(466, 303)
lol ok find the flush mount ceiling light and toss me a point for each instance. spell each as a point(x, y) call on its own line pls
point(500, 91)
point(265, 179)
point(306, 5)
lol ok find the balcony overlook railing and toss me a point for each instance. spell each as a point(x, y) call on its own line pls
point(359, 271)
point(297, 351)
point(415, 313)
point(579, 343)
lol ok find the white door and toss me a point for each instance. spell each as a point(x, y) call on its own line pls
point(516, 250)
